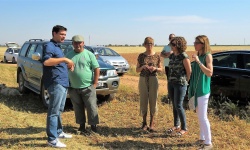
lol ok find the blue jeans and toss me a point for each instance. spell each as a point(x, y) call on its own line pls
point(57, 101)
point(177, 93)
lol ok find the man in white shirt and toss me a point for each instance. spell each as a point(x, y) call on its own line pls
point(165, 54)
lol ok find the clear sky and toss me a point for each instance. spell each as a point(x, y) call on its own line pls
point(102, 22)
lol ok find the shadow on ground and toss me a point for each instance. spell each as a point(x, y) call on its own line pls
point(32, 103)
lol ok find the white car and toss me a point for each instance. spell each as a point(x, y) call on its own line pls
point(113, 58)
point(11, 53)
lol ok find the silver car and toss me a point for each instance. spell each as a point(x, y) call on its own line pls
point(113, 58)
point(11, 53)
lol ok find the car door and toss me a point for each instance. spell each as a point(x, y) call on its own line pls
point(225, 79)
point(37, 68)
point(8, 54)
point(34, 66)
point(245, 78)
point(30, 65)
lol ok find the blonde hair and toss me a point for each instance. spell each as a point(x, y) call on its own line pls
point(205, 41)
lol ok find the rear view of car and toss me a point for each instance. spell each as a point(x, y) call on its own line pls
point(11, 53)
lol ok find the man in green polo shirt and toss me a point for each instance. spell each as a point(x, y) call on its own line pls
point(83, 81)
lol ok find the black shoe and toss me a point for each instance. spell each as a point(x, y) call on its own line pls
point(94, 128)
point(82, 128)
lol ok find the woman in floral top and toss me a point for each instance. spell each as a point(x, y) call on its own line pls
point(148, 64)
point(179, 75)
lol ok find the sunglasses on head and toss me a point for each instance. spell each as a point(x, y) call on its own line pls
point(197, 43)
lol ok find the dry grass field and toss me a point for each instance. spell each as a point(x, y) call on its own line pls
point(23, 120)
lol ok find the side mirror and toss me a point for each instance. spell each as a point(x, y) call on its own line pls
point(36, 56)
point(96, 55)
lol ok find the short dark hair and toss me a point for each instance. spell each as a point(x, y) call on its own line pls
point(58, 28)
point(170, 35)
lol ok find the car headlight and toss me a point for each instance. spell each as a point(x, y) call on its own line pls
point(111, 73)
point(126, 62)
point(108, 62)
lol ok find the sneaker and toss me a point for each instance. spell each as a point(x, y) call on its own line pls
point(199, 142)
point(206, 147)
point(65, 136)
point(94, 128)
point(56, 143)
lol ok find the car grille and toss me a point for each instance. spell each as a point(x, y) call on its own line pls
point(103, 72)
point(119, 64)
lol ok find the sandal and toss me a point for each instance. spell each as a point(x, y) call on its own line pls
point(144, 127)
point(181, 133)
point(171, 130)
point(151, 130)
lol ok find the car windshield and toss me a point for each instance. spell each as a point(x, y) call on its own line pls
point(67, 47)
point(103, 51)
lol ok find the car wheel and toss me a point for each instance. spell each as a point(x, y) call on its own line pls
point(109, 97)
point(4, 60)
point(21, 82)
point(13, 60)
point(44, 96)
point(120, 74)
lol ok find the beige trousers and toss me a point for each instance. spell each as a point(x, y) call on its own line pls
point(148, 89)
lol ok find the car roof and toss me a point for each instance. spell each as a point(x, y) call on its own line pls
point(232, 52)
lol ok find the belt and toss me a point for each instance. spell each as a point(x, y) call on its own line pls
point(81, 88)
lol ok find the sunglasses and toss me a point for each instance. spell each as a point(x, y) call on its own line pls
point(197, 43)
point(172, 44)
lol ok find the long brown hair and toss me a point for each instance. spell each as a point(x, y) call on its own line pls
point(205, 41)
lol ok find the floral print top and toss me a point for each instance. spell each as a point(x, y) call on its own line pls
point(150, 60)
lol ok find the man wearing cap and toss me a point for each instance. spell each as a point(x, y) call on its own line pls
point(83, 81)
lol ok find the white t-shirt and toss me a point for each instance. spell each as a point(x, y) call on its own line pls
point(165, 49)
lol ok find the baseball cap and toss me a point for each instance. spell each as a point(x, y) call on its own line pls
point(77, 38)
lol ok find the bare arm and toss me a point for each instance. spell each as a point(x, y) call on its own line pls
point(187, 66)
point(96, 76)
point(139, 69)
point(208, 69)
point(159, 69)
point(56, 61)
point(165, 54)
